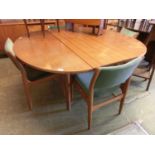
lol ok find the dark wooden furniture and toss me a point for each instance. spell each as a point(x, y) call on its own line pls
point(30, 76)
point(140, 25)
point(151, 36)
point(41, 22)
point(94, 23)
point(147, 67)
point(143, 26)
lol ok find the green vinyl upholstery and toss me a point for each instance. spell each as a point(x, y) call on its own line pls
point(9, 47)
point(129, 32)
point(84, 79)
point(32, 74)
point(109, 76)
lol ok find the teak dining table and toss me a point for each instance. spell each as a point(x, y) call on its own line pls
point(69, 53)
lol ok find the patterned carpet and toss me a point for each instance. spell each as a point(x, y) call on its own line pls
point(49, 114)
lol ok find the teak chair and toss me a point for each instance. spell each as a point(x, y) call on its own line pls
point(29, 75)
point(129, 33)
point(146, 69)
point(105, 78)
point(41, 22)
point(94, 23)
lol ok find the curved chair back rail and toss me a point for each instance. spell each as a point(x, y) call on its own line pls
point(115, 75)
point(107, 77)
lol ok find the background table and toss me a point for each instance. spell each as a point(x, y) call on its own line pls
point(72, 52)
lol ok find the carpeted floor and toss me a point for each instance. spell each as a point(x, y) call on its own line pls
point(131, 129)
point(49, 114)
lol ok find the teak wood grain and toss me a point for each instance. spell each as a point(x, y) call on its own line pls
point(48, 54)
point(110, 48)
point(72, 52)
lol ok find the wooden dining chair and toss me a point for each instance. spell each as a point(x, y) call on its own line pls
point(42, 23)
point(29, 75)
point(129, 33)
point(100, 24)
point(147, 67)
point(104, 79)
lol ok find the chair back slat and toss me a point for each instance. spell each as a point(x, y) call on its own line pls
point(115, 75)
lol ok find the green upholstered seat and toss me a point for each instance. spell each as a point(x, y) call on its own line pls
point(2, 54)
point(129, 33)
point(32, 74)
point(84, 80)
point(109, 76)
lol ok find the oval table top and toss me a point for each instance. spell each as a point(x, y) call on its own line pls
point(72, 52)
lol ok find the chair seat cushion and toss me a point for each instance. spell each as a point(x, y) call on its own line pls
point(84, 79)
point(34, 74)
point(3, 55)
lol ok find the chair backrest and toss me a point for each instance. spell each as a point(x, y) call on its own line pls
point(115, 75)
point(9, 47)
point(129, 33)
point(41, 22)
point(11, 54)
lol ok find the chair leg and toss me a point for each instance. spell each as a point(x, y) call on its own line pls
point(72, 27)
point(27, 92)
point(124, 88)
point(57, 20)
point(27, 29)
point(93, 30)
point(64, 84)
point(89, 116)
point(90, 113)
point(68, 90)
point(71, 87)
point(150, 79)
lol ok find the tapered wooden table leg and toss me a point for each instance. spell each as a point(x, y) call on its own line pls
point(69, 91)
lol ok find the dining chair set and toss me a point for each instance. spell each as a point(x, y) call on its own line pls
point(102, 78)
